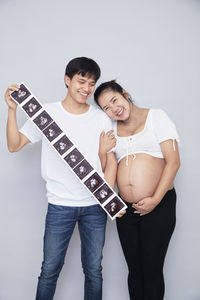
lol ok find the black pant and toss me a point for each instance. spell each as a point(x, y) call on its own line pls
point(144, 240)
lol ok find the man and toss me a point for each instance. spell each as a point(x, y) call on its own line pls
point(68, 200)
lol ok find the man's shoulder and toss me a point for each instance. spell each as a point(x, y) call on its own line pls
point(100, 118)
point(51, 104)
point(53, 108)
point(99, 112)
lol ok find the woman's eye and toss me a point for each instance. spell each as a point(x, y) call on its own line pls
point(114, 100)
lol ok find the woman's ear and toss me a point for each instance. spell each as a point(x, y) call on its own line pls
point(126, 95)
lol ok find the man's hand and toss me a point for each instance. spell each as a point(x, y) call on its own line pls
point(11, 104)
point(121, 213)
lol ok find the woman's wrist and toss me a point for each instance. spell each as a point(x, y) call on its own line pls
point(156, 200)
point(102, 152)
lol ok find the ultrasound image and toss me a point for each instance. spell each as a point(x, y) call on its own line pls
point(93, 182)
point(114, 206)
point(103, 193)
point(83, 169)
point(73, 158)
point(22, 94)
point(31, 107)
point(63, 144)
point(52, 131)
point(43, 120)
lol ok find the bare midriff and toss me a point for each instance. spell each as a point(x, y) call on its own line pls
point(140, 178)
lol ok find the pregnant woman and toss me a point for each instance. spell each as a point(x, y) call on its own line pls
point(148, 160)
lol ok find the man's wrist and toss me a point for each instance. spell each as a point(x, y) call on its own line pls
point(11, 110)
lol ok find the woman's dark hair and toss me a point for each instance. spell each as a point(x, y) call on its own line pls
point(109, 85)
point(83, 66)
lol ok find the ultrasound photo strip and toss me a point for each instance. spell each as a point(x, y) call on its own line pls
point(67, 150)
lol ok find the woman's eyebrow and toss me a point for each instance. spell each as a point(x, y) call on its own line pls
point(112, 98)
point(104, 107)
point(109, 101)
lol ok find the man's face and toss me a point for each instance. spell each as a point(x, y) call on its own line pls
point(80, 88)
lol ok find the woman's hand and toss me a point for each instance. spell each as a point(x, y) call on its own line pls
point(144, 206)
point(11, 104)
point(107, 141)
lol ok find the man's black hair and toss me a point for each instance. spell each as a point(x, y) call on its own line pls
point(83, 66)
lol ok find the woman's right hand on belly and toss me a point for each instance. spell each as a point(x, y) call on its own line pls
point(144, 206)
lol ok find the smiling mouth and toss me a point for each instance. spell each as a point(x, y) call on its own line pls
point(120, 113)
point(83, 94)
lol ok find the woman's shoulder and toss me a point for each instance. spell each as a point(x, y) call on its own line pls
point(158, 114)
point(157, 111)
point(160, 120)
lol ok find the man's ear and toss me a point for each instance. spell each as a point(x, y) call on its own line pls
point(67, 80)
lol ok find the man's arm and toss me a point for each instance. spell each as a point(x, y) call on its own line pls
point(15, 139)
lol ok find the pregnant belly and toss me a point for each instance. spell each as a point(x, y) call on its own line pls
point(140, 178)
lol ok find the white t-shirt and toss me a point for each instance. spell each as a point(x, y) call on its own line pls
point(158, 128)
point(63, 187)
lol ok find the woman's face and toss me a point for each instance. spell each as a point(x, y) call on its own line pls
point(114, 105)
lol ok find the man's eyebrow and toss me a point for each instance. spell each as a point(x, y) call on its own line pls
point(85, 79)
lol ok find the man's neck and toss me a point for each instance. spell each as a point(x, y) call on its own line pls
point(73, 107)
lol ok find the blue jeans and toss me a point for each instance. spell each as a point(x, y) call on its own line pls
point(60, 223)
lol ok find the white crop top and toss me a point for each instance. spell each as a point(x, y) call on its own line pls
point(158, 128)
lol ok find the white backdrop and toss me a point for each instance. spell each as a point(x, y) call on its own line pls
point(152, 47)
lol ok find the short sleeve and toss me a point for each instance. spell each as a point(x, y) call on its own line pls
point(163, 127)
point(108, 125)
point(31, 132)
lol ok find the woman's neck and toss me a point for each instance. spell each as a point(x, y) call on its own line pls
point(134, 116)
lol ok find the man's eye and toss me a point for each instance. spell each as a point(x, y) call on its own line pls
point(114, 100)
point(105, 109)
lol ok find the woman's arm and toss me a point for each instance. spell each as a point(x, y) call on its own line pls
point(108, 160)
point(110, 174)
point(110, 171)
point(106, 142)
point(172, 160)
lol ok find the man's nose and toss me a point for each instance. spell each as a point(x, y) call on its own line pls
point(86, 87)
